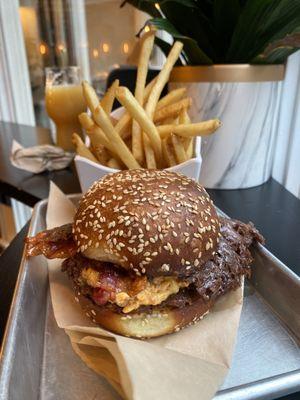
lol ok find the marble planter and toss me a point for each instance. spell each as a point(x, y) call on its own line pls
point(246, 100)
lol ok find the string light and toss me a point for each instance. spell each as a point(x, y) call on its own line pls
point(95, 53)
point(147, 29)
point(43, 49)
point(105, 48)
point(157, 6)
point(125, 48)
point(61, 47)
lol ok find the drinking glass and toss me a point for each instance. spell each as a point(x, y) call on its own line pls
point(64, 102)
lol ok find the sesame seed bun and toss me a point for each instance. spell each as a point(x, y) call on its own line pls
point(152, 222)
point(160, 321)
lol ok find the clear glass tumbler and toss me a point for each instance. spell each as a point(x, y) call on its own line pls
point(64, 102)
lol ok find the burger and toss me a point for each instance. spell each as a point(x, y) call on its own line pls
point(147, 253)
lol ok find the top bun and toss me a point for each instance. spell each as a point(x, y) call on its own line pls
point(149, 221)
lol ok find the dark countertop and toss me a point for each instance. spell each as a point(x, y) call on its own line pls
point(274, 211)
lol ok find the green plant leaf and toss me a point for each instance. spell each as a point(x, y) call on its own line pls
point(231, 31)
point(226, 14)
point(187, 3)
point(193, 23)
point(165, 48)
point(192, 51)
point(143, 5)
point(262, 22)
point(278, 51)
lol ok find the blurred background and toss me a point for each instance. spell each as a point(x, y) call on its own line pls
point(97, 35)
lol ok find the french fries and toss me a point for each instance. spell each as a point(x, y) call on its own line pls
point(114, 164)
point(187, 142)
point(178, 149)
point(102, 119)
point(147, 46)
point(188, 130)
point(152, 132)
point(138, 113)
point(123, 125)
point(96, 135)
point(172, 110)
point(170, 98)
point(108, 99)
point(81, 148)
point(162, 78)
point(168, 153)
point(149, 153)
point(90, 96)
point(100, 153)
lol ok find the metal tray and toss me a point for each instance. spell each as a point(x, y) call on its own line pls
point(37, 361)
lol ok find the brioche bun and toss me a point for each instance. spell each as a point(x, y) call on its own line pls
point(157, 322)
point(149, 221)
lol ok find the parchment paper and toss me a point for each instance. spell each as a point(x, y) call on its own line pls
point(190, 364)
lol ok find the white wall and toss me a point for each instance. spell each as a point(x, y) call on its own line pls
point(286, 169)
point(15, 100)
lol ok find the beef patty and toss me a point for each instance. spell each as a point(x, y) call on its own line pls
point(222, 273)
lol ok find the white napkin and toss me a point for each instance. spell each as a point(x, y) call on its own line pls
point(40, 158)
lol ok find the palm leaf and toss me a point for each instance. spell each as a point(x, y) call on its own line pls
point(230, 31)
point(143, 5)
point(225, 17)
point(278, 51)
point(192, 51)
point(187, 3)
point(262, 22)
point(192, 23)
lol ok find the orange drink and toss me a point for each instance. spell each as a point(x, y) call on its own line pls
point(64, 102)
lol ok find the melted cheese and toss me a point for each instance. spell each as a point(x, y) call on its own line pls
point(90, 277)
point(155, 292)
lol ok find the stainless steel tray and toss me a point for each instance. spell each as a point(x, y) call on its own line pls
point(37, 361)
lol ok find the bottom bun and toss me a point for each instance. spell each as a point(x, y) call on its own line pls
point(157, 322)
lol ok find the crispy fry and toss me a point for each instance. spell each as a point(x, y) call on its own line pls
point(187, 130)
point(171, 110)
point(137, 142)
point(108, 99)
point(113, 163)
point(103, 121)
point(138, 113)
point(178, 149)
point(149, 153)
point(81, 148)
point(123, 125)
point(145, 53)
point(190, 148)
point(172, 97)
point(187, 142)
point(168, 153)
point(90, 96)
point(184, 117)
point(96, 135)
point(100, 153)
point(162, 79)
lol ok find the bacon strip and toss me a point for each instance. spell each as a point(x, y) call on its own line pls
point(111, 279)
point(53, 243)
